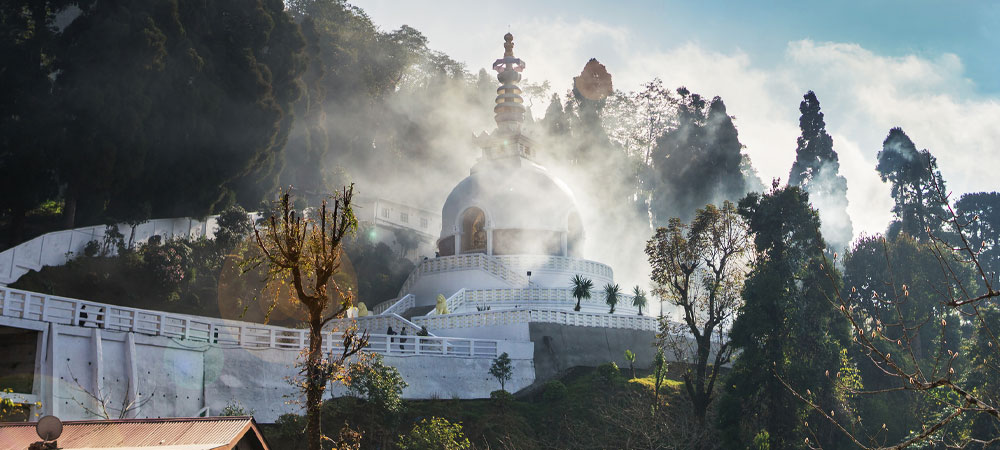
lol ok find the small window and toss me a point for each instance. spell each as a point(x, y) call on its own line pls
point(404, 217)
point(385, 213)
point(423, 222)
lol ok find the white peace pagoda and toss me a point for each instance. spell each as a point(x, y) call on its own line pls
point(511, 241)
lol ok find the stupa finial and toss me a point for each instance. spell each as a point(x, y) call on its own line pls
point(508, 45)
point(509, 109)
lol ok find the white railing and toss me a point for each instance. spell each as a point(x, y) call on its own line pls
point(432, 345)
point(405, 303)
point(540, 298)
point(489, 264)
point(28, 305)
point(375, 324)
point(522, 263)
point(381, 307)
point(528, 315)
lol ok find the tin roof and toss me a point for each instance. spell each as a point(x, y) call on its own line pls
point(199, 433)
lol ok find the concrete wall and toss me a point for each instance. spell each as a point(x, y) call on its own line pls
point(560, 347)
point(430, 285)
point(168, 377)
point(510, 332)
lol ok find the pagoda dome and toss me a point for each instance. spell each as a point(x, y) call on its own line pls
point(511, 206)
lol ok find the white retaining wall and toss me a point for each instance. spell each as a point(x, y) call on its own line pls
point(175, 365)
point(58, 247)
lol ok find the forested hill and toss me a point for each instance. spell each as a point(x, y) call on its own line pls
point(122, 111)
point(125, 111)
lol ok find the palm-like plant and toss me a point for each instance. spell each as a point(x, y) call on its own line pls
point(581, 289)
point(639, 299)
point(612, 293)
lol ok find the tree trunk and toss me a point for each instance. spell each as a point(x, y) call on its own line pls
point(16, 230)
point(315, 385)
point(69, 209)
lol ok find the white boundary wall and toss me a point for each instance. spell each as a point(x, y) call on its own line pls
point(176, 365)
point(58, 247)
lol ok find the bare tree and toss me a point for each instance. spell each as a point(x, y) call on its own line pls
point(700, 269)
point(303, 256)
point(959, 387)
point(103, 404)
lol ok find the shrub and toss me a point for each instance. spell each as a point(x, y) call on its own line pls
point(380, 384)
point(554, 391)
point(501, 398)
point(435, 434)
point(92, 249)
point(607, 373)
point(502, 370)
point(234, 225)
point(762, 441)
point(235, 408)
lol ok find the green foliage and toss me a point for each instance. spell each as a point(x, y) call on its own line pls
point(581, 289)
point(630, 357)
point(28, 110)
point(981, 210)
point(607, 373)
point(502, 370)
point(659, 376)
point(700, 269)
point(788, 330)
point(586, 417)
point(554, 391)
point(761, 441)
point(119, 71)
point(612, 293)
point(179, 275)
point(235, 408)
point(697, 162)
point(435, 434)
point(908, 272)
point(501, 398)
point(380, 384)
point(234, 225)
point(639, 299)
point(817, 170)
point(913, 174)
point(9, 410)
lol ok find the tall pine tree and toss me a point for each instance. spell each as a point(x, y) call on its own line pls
point(817, 170)
point(913, 174)
point(698, 162)
point(787, 331)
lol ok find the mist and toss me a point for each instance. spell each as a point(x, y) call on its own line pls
point(628, 173)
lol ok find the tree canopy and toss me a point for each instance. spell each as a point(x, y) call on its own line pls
point(915, 181)
point(817, 170)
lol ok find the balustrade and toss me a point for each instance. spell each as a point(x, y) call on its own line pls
point(18, 304)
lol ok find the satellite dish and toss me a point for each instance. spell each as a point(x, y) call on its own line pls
point(49, 428)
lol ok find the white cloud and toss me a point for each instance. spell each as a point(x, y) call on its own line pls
point(862, 93)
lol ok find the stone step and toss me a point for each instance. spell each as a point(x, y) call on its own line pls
point(409, 314)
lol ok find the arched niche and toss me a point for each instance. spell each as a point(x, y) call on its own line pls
point(473, 231)
point(574, 235)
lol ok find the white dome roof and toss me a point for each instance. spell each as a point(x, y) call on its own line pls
point(513, 193)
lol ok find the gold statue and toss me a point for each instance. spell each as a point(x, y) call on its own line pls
point(442, 305)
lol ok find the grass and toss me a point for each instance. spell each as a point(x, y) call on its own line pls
point(531, 422)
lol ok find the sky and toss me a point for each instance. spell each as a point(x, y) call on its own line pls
point(928, 67)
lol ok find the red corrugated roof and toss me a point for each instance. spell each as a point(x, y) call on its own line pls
point(205, 432)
